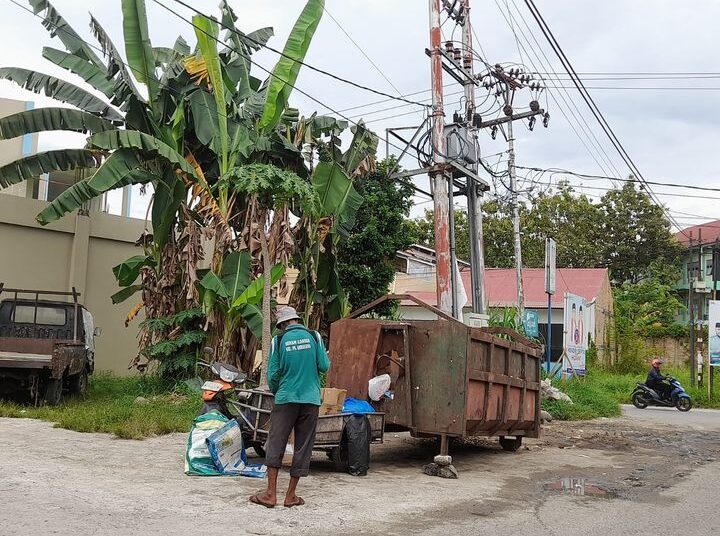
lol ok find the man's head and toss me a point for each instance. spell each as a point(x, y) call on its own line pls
point(286, 317)
point(656, 363)
point(717, 329)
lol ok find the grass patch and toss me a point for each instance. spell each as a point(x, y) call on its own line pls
point(109, 406)
point(590, 401)
point(601, 392)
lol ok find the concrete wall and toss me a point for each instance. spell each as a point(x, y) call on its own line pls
point(77, 251)
point(15, 148)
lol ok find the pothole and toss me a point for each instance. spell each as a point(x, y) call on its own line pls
point(581, 487)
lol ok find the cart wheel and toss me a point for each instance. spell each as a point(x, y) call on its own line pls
point(339, 456)
point(510, 444)
point(258, 448)
point(53, 392)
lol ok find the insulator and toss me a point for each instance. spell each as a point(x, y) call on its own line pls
point(546, 119)
point(449, 46)
point(531, 123)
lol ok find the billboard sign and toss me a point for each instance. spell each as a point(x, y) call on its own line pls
point(550, 249)
point(714, 332)
point(575, 339)
point(531, 322)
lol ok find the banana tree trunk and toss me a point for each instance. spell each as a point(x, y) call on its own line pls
point(266, 335)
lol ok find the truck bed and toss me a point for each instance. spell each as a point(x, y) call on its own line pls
point(23, 360)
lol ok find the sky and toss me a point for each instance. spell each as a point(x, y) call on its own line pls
point(669, 127)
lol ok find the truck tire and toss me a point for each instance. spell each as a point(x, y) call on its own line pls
point(53, 392)
point(511, 444)
point(78, 383)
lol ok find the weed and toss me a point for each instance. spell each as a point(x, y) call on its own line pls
point(109, 406)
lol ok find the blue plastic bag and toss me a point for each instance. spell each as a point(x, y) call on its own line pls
point(357, 407)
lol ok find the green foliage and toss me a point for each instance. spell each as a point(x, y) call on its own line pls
point(287, 68)
point(110, 407)
point(623, 231)
point(365, 257)
point(179, 338)
point(648, 309)
point(273, 186)
point(590, 399)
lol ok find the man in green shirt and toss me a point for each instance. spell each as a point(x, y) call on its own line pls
point(297, 357)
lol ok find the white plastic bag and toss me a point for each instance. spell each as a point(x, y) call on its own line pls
point(378, 386)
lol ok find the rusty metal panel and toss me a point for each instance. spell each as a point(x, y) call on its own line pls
point(438, 354)
point(352, 351)
point(67, 358)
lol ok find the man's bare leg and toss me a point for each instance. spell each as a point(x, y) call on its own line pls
point(269, 496)
point(291, 498)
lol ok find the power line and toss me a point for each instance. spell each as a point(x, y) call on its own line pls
point(547, 32)
point(378, 69)
point(569, 102)
point(311, 67)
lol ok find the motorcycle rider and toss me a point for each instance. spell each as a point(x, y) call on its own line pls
point(656, 380)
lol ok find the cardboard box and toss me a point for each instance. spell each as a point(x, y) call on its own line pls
point(332, 401)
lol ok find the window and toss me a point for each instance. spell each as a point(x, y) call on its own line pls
point(46, 316)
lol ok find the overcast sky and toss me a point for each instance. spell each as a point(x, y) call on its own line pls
point(670, 132)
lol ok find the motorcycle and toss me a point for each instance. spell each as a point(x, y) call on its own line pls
point(221, 394)
point(643, 397)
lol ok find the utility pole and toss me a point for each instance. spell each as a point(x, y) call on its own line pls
point(516, 222)
point(438, 181)
point(691, 283)
point(477, 251)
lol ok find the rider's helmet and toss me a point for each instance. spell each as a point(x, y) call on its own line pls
point(656, 363)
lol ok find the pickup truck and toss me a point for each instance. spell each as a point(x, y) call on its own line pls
point(47, 344)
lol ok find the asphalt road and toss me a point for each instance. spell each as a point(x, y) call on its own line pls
point(658, 467)
point(696, 419)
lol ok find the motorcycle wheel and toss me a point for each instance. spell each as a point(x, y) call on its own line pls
point(683, 404)
point(638, 401)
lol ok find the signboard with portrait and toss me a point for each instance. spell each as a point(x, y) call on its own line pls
point(714, 332)
point(575, 339)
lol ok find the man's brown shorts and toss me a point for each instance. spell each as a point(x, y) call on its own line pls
point(285, 418)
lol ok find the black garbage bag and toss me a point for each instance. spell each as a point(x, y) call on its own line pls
point(356, 439)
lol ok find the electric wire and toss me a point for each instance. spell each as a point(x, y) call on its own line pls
point(311, 67)
point(569, 102)
point(547, 32)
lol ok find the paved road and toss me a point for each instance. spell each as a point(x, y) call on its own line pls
point(696, 419)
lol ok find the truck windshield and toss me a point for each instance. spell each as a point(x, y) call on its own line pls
point(46, 316)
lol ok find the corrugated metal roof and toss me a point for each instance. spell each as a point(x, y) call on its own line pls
point(500, 285)
point(710, 233)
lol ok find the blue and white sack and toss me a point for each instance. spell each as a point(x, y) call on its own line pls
point(228, 452)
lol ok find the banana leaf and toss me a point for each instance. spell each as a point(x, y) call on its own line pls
point(128, 271)
point(236, 273)
point(60, 90)
point(253, 294)
point(123, 294)
point(138, 48)
point(252, 316)
point(33, 166)
point(125, 139)
point(169, 193)
point(93, 75)
point(44, 119)
point(116, 67)
point(58, 27)
point(286, 70)
point(122, 168)
point(337, 194)
point(206, 120)
point(206, 32)
point(364, 144)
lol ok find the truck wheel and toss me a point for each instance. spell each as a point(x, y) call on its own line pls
point(53, 392)
point(78, 383)
point(510, 444)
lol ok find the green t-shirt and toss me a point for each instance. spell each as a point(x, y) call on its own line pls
point(294, 370)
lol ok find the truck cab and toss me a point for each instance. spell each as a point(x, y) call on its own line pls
point(47, 345)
